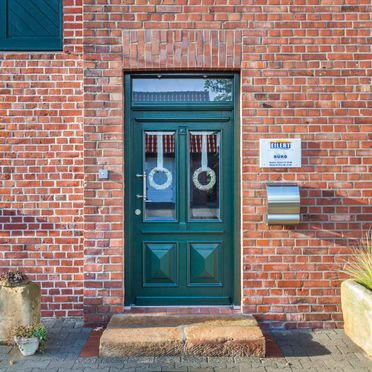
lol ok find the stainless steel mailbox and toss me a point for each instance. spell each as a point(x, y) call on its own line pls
point(283, 204)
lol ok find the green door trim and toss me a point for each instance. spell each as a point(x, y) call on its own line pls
point(130, 113)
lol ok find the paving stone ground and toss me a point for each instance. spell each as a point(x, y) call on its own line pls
point(317, 351)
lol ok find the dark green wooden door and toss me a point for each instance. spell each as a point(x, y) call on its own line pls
point(181, 197)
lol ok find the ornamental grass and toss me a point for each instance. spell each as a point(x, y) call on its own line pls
point(359, 266)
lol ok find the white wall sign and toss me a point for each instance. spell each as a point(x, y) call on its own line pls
point(280, 153)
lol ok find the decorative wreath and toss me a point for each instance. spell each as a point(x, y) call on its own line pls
point(212, 178)
point(164, 185)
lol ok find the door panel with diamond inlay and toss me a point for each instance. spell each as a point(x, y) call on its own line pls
point(160, 265)
point(205, 264)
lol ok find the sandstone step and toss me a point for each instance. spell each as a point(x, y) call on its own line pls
point(163, 334)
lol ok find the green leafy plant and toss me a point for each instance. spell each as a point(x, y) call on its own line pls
point(359, 266)
point(33, 330)
point(13, 278)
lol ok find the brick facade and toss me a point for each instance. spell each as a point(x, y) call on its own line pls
point(305, 72)
point(42, 167)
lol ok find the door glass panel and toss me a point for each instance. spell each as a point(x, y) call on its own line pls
point(160, 167)
point(204, 182)
point(197, 90)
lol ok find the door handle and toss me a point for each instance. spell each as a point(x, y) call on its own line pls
point(144, 186)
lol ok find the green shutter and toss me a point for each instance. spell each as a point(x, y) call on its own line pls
point(31, 25)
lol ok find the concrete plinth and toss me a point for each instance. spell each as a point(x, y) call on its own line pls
point(356, 303)
point(18, 306)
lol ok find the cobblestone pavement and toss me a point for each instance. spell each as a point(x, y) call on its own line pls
point(304, 350)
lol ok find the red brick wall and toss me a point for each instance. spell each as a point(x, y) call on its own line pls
point(305, 72)
point(41, 167)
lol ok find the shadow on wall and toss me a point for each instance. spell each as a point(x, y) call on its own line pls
point(16, 223)
point(21, 234)
point(335, 216)
point(21, 224)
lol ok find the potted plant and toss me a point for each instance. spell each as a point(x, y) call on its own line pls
point(13, 279)
point(356, 295)
point(19, 302)
point(30, 338)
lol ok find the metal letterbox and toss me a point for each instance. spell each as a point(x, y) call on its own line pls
point(283, 204)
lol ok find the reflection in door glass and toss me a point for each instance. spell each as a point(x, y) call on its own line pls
point(204, 150)
point(195, 90)
point(160, 167)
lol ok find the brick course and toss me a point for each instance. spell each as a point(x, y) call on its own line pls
point(305, 72)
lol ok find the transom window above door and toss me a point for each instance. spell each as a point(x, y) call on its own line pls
point(182, 90)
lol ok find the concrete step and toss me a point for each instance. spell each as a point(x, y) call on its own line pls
point(195, 334)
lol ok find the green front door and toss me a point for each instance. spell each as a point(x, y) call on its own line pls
point(180, 201)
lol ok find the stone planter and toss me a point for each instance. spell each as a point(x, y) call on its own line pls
point(27, 346)
point(356, 303)
point(18, 306)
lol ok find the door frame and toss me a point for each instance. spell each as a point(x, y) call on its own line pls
point(128, 165)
